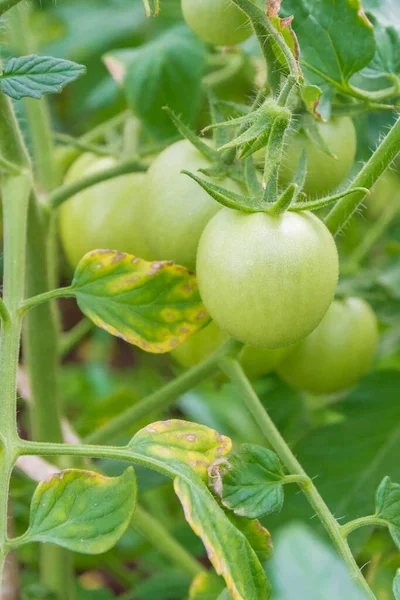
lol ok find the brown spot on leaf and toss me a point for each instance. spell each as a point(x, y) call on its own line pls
point(135, 260)
point(118, 257)
point(274, 7)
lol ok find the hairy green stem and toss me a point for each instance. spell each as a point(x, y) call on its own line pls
point(68, 190)
point(39, 299)
point(15, 191)
point(165, 396)
point(371, 520)
point(235, 372)
point(160, 538)
point(37, 112)
point(369, 174)
point(42, 325)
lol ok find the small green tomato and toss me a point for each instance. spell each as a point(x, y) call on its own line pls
point(337, 353)
point(219, 22)
point(106, 215)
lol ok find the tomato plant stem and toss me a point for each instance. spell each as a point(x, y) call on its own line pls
point(160, 538)
point(37, 112)
point(371, 520)
point(68, 190)
point(369, 174)
point(235, 372)
point(165, 396)
point(41, 327)
point(15, 191)
point(45, 297)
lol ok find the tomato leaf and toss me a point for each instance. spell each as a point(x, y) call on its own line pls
point(82, 511)
point(186, 450)
point(206, 586)
point(33, 76)
point(228, 550)
point(196, 445)
point(388, 507)
point(251, 484)
point(387, 59)
point(155, 306)
point(336, 39)
point(155, 74)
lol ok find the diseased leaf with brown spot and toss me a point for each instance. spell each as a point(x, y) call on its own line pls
point(153, 305)
point(196, 445)
point(185, 451)
point(227, 548)
point(82, 510)
point(274, 7)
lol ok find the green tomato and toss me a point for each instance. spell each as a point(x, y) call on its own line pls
point(324, 173)
point(106, 215)
point(256, 362)
point(267, 280)
point(337, 353)
point(385, 192)
point(219, 22)
point(177, 209)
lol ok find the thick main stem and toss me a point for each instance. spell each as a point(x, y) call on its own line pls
point(41, 327)
point(235, 372)
point(15, 191)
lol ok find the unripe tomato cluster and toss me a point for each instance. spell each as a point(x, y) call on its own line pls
point(268, 281)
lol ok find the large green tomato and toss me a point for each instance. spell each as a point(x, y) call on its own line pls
point(324, 173)
point(219, 22)
point(337, 353)
point(256, 362)
point(267, 280)
point(177, 209)
point(106, 215)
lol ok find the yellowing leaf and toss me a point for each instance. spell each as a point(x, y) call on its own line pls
point(81, 510)
point(154, 305)
point(173, 441)
point(228, 549)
